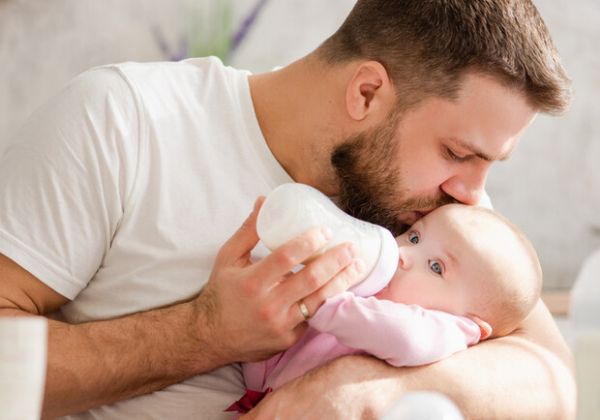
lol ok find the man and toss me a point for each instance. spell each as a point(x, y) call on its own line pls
point(118, 194)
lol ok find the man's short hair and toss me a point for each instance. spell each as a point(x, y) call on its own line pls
point(427, 46)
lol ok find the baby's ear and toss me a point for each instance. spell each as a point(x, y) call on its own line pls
point(484, 327)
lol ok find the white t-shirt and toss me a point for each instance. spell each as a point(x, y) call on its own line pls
point(119, 193)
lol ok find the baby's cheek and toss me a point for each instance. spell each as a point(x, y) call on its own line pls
point(390, 292)
point(381, 294)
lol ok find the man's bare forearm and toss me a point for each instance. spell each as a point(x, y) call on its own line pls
point(246, 312)
point(527, 375)
point(97, 363)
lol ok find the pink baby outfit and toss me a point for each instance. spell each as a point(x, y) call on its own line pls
point(402, 335)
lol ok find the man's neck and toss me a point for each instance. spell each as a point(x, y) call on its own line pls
point(299, 109)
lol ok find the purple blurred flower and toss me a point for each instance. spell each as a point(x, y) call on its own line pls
point(184, 44)
point(178, 55)
point(245, 27)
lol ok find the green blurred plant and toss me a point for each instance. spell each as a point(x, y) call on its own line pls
point(211, 32)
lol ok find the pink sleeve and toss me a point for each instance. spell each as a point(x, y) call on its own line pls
point(402, 335)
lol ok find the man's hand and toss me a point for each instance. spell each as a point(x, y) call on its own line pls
point(351, 387)
point(246, 312)
point(251, 310)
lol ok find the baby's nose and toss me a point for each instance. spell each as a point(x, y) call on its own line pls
point(404, 261)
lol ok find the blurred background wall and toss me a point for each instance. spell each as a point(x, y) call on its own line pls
point(550, 187)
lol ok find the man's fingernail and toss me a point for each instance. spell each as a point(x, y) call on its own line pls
point(326, 232)
point(359, 266)
point(353, 250)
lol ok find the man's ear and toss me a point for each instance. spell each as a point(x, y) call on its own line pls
point(484, 327)
point(369, 92)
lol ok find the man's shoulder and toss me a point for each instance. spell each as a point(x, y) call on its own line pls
point(163, 82)
point(164, 70)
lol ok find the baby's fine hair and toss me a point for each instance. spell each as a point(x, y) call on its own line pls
point(514, 286)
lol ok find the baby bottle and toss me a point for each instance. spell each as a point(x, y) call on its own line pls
point(292, 209)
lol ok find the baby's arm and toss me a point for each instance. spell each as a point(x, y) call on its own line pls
point(402, 335)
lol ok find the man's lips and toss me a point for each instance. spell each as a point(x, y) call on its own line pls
point(426, 211)
point(410, 218)
point(418, 214)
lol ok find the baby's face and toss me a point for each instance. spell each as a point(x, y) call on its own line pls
point(437, 264)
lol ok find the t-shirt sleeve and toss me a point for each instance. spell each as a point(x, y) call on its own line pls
point(65, 177)
point(486, 201)
point(402, 335)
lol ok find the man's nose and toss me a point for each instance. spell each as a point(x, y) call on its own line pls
point(467, 186)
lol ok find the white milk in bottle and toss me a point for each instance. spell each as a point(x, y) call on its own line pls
point(292, 209)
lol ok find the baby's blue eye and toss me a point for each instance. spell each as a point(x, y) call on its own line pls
point(414, 238)
point(435, 266)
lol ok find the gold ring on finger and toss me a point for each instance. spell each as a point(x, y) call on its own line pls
point(303, 309)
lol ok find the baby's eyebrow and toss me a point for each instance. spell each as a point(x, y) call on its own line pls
point(452, 257)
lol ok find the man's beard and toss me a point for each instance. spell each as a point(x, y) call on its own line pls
point(370, 185)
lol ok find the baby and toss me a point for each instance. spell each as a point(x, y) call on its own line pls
point(465, 274)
